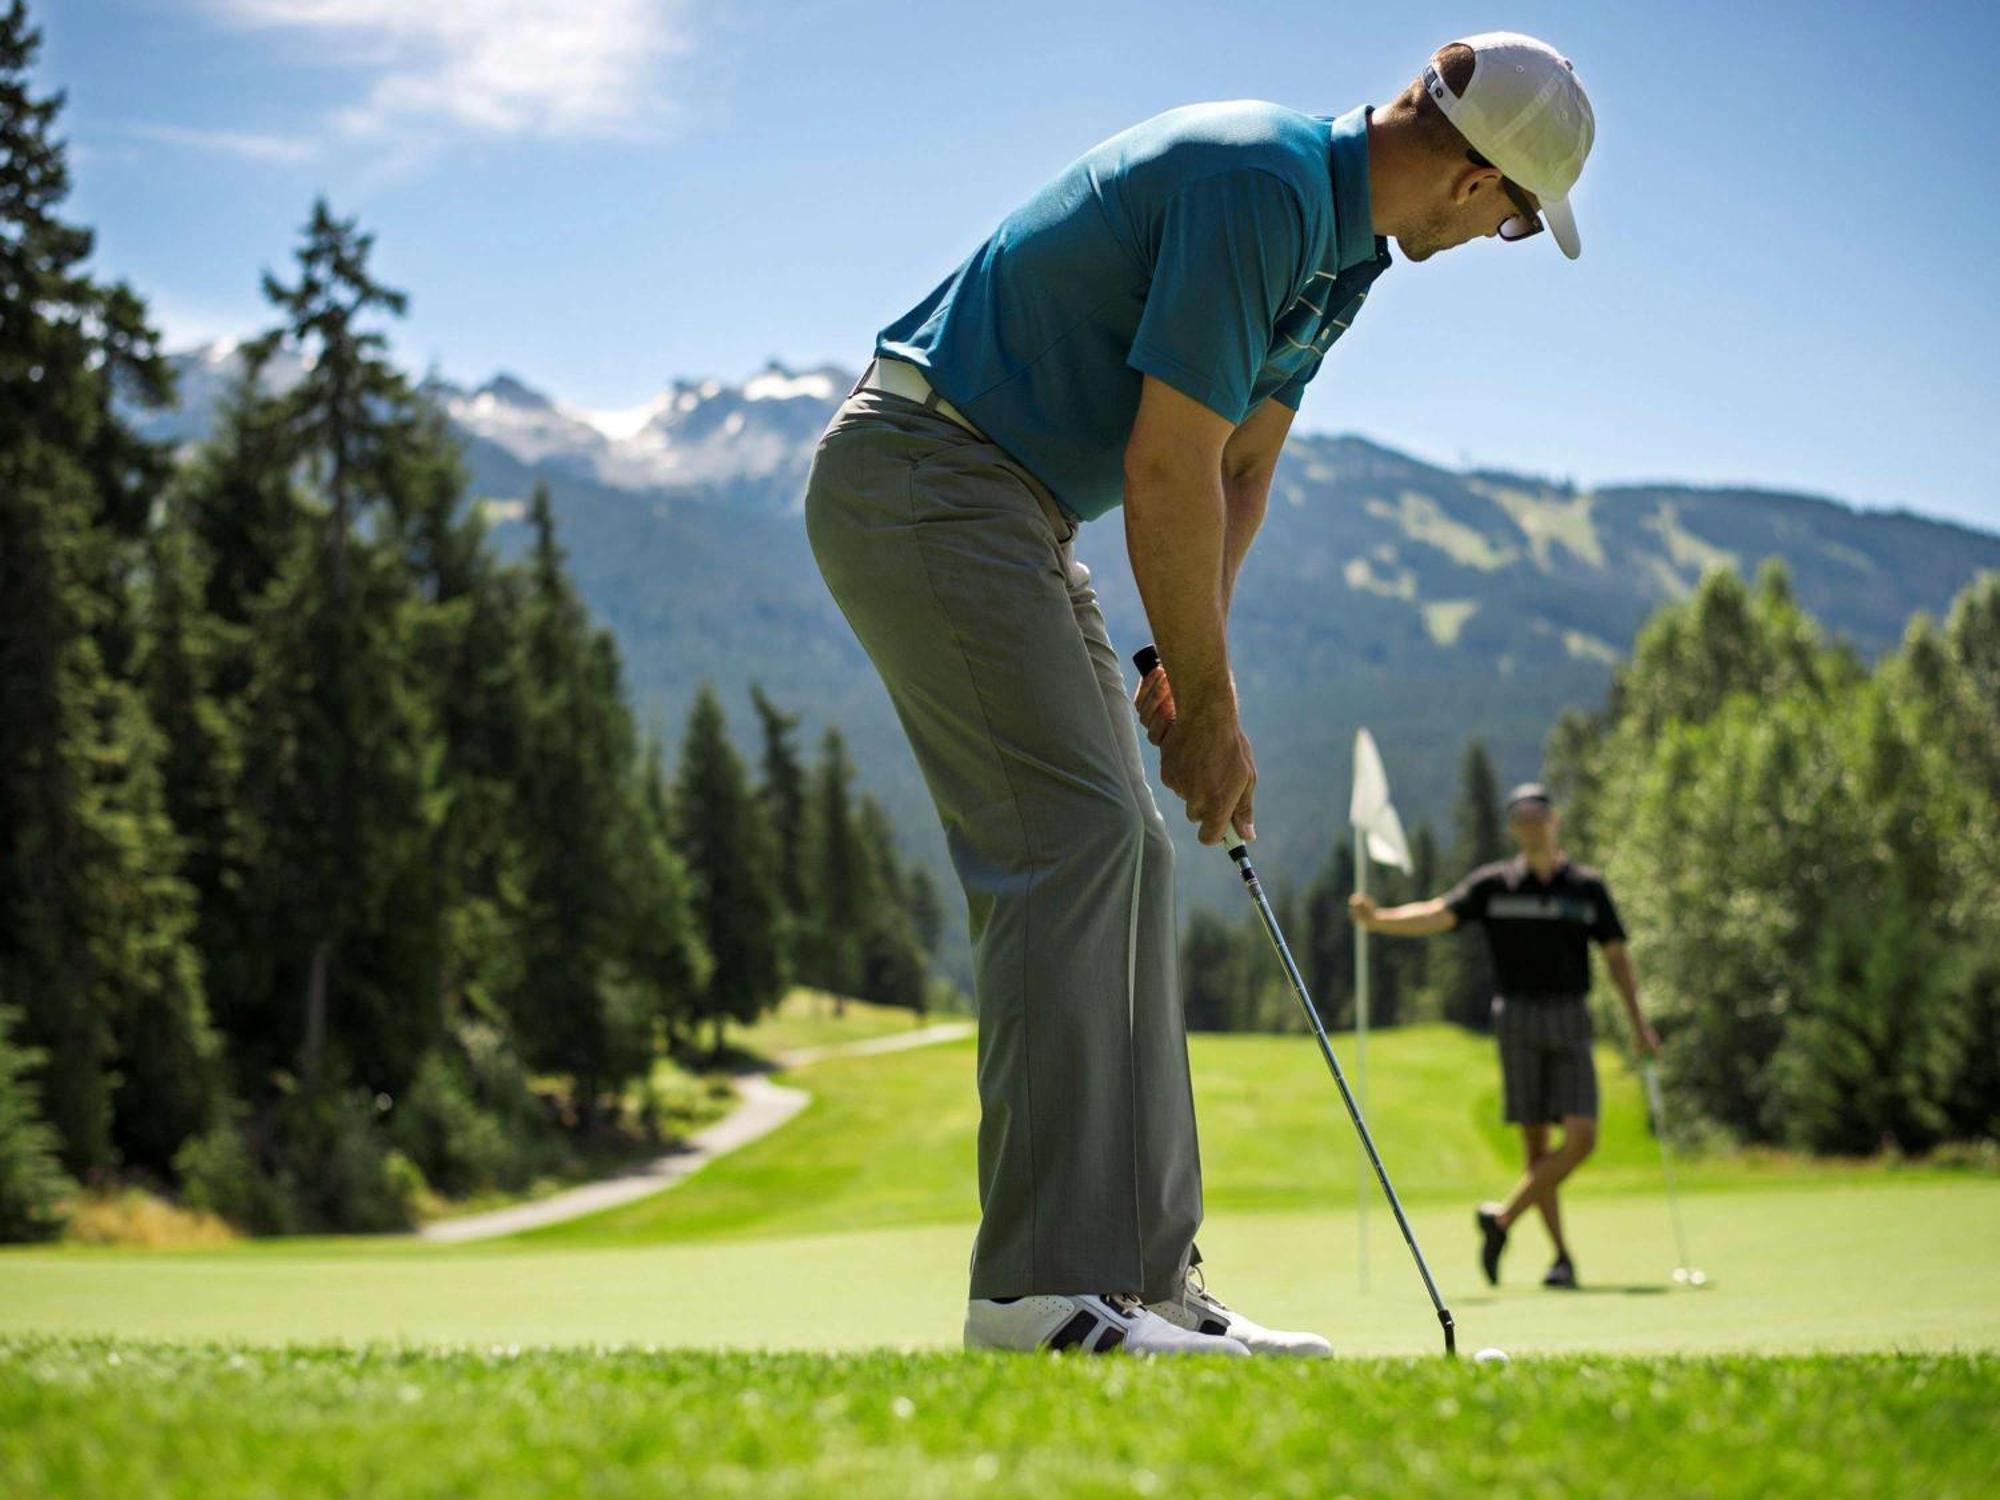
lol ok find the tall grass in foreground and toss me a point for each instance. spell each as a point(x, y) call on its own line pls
point(121, 1418)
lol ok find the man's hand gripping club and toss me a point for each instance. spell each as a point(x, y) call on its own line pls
point(1204, 759)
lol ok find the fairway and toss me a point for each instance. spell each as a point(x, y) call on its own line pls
point(791, 1242)
point(889, 1140)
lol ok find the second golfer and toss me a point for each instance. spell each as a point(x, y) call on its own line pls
point(1540, 914)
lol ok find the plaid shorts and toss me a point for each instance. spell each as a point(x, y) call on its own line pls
point(1546, 1067)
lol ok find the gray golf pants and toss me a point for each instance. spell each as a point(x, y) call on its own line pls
point(956, 570)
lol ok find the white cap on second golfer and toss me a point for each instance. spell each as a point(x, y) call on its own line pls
point(1526, 112)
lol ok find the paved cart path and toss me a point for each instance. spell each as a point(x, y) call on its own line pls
point(762, 1106)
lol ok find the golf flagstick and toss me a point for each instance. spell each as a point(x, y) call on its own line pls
point(1146, 659)
point(1378, 834)
point(1361, 1054)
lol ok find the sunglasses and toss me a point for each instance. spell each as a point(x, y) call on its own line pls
point(1527, 220)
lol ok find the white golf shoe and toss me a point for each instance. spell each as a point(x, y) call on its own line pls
point(1198, 1311)
point(1086, 1323)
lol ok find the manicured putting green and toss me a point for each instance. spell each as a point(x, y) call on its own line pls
point(1879, 1265)
point(850, 1227)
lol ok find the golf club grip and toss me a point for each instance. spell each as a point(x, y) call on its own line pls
point(1145, 659)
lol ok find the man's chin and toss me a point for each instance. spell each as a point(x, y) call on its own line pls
point(1416, 250)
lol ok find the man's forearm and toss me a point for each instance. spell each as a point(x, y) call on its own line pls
point(1421, 919)
point(1244, 503)
point(1176, 532)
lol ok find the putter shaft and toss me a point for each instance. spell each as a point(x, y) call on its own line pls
point(1145, 659)
point(1241, 854)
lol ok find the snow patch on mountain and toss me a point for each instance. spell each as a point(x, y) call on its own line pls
point(625, 423)
point(697, 438)
point(777, 384)
point(693, 433)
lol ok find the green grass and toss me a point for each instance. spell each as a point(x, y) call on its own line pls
point(130, 1419)
point(794, 1241)
point(889, 1140)
point(1879, 1265)
point(807, 1018)
point(728, 1337)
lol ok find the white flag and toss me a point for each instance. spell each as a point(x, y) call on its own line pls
point(1372, 812)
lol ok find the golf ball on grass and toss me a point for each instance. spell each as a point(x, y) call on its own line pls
point(1490, 1357)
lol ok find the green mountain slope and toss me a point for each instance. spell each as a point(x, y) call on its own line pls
point(1427, 604)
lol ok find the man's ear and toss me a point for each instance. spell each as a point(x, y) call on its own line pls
point(1474, 181)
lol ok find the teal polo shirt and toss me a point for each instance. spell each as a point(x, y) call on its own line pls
point(1221, 248)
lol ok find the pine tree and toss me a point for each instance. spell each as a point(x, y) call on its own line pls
point(727, 840)
point(1209, 973)
point(578, 812)
point(94, 923)
point(68, 343)
point(351, 415)
point(894, 968)
point(841, 879)
point(665, 952)
point(472, 657)
point(358, 751)
point(783, 792)
point(246, 512)
point(32, 1185)
point(926, 908)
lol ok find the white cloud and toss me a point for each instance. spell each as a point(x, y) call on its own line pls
point(496, 67)
point(247, 145)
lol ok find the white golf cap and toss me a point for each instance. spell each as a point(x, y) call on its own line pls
point(1525, 111)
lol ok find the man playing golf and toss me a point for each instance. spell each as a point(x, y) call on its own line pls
point(1138, 333)
point(1540, 913)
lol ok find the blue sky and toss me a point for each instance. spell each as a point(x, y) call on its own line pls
point(1789, 220)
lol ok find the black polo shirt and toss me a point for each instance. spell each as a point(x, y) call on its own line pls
point(1539, 932)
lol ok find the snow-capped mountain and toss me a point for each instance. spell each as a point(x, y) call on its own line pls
point(695, 439)
point(693, 433)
